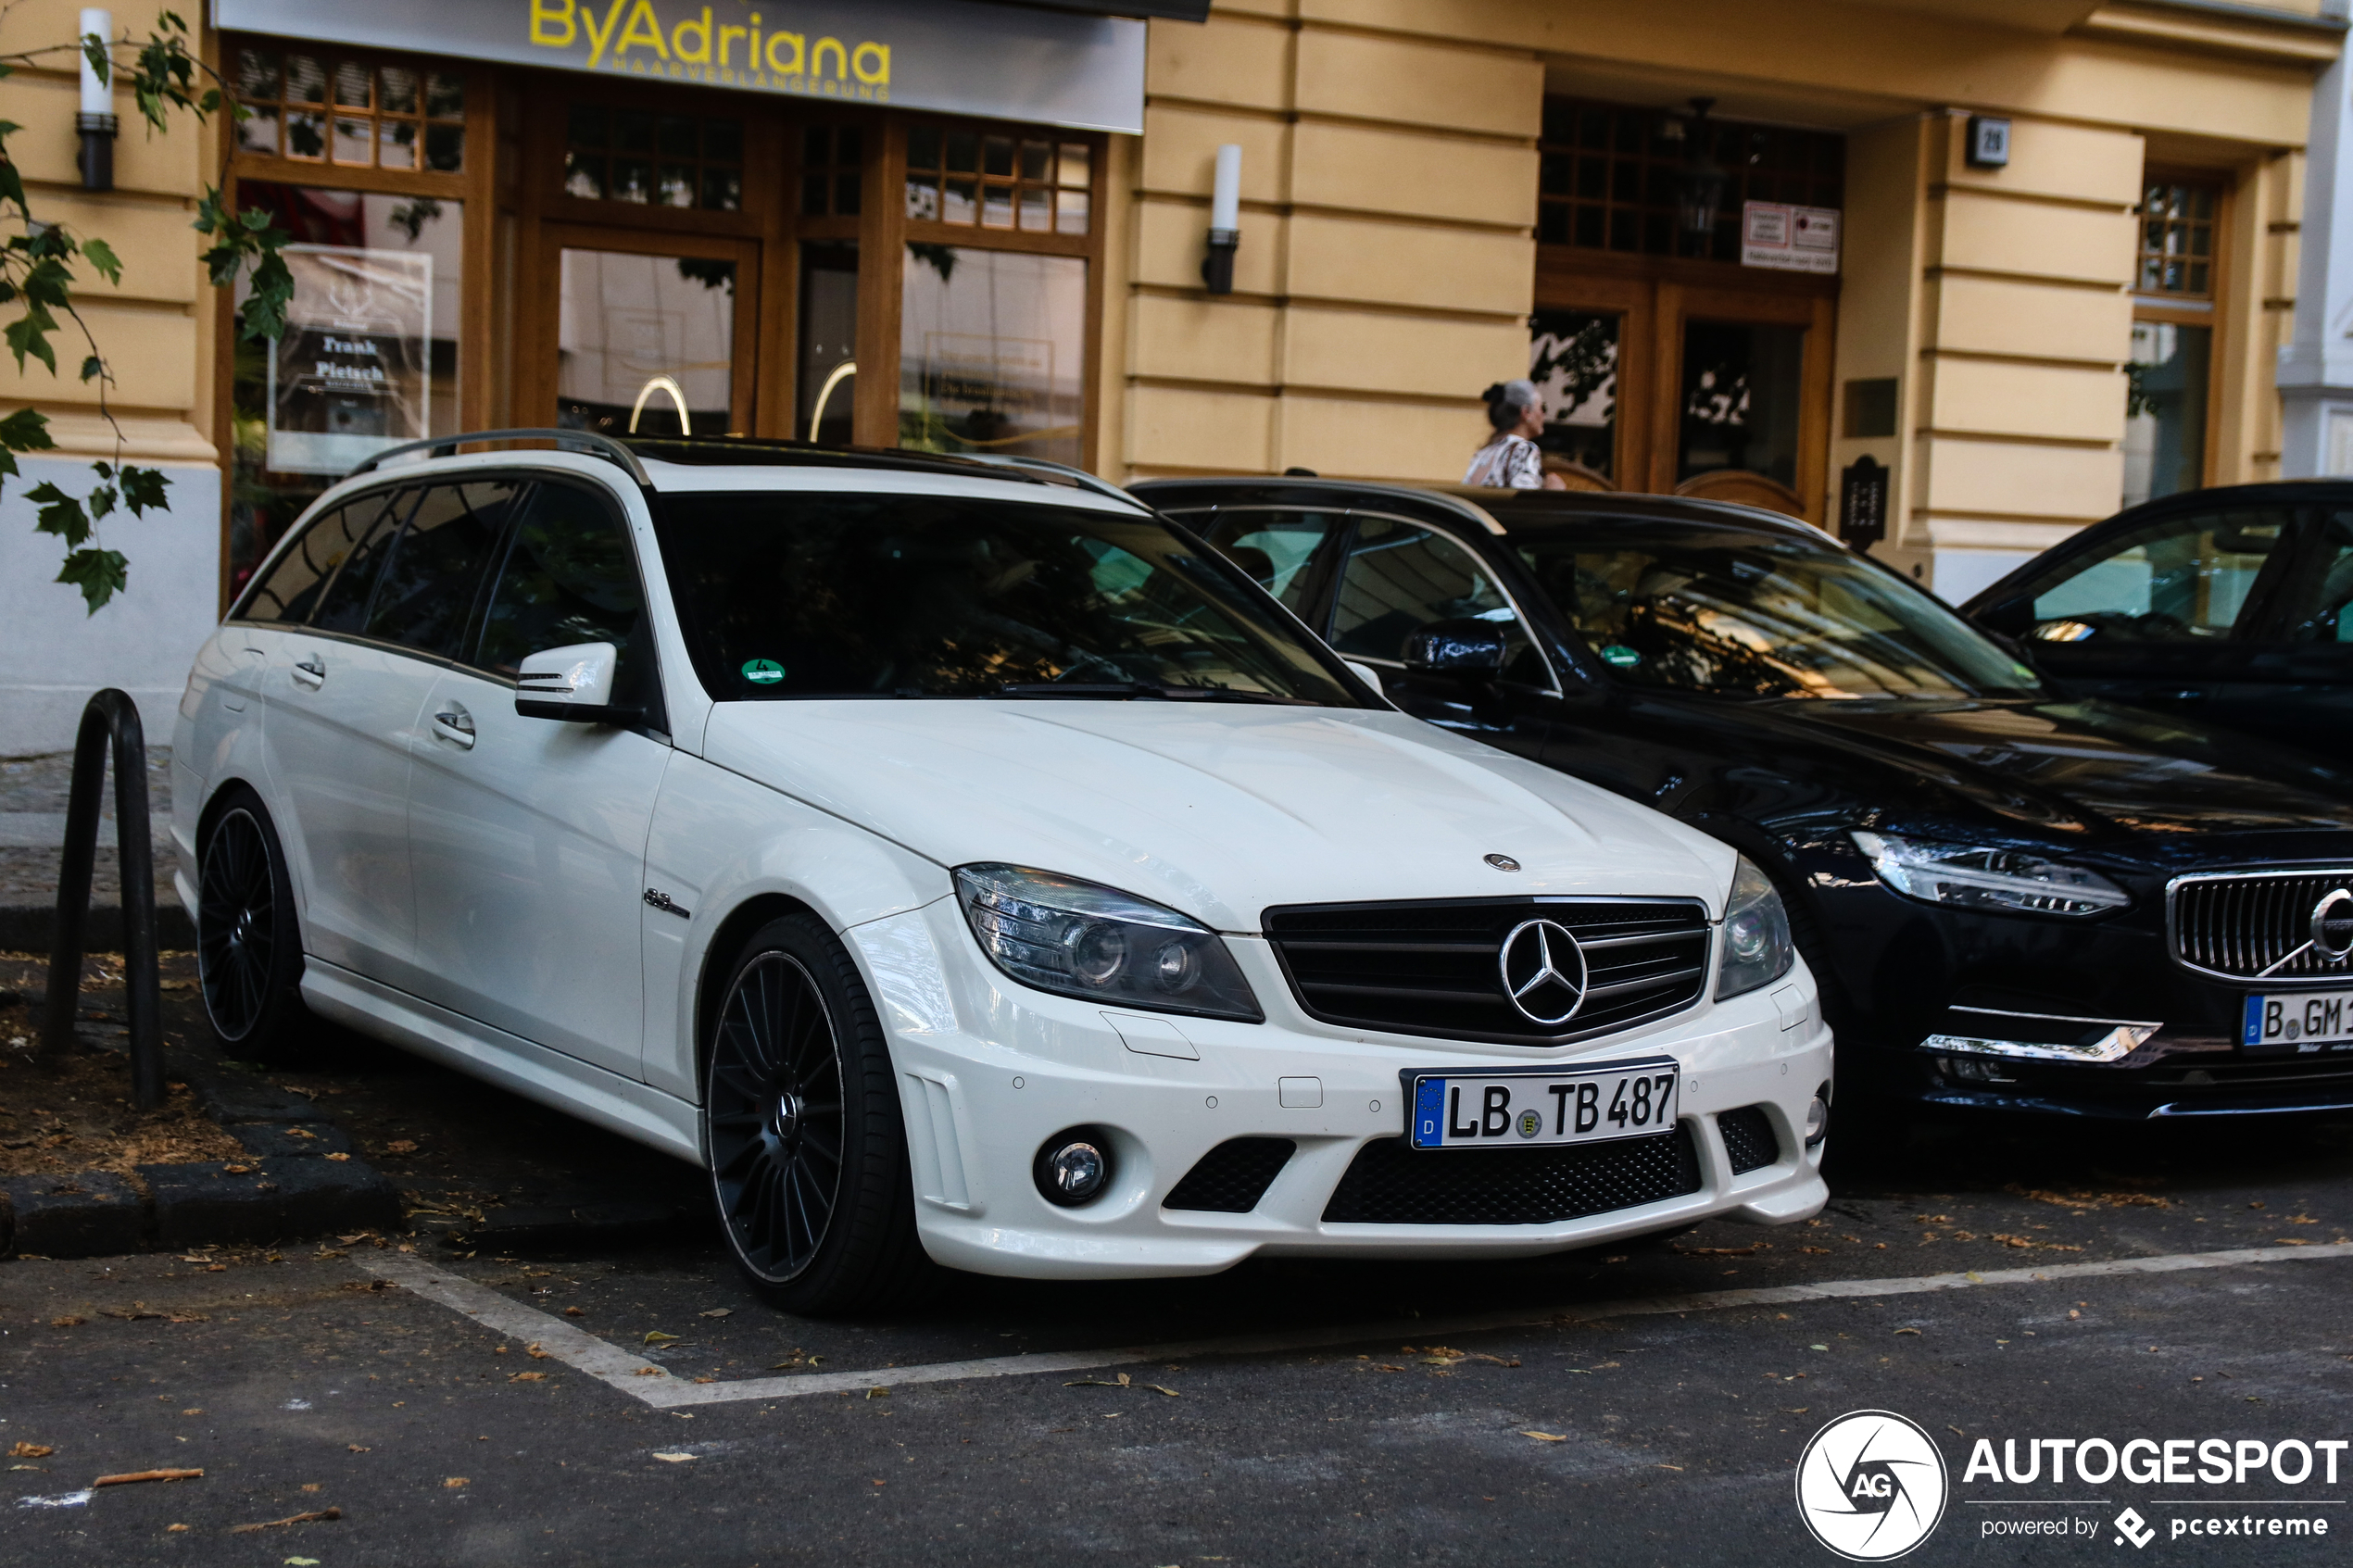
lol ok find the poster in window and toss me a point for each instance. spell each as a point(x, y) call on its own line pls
point(349, 376)
point(1789, 239)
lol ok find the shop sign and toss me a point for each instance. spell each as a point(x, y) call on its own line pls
point(959, 57)
point(1789, 239)
point(351, 374)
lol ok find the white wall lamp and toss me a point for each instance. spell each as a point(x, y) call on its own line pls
point(96, 121)
point(1225, 221)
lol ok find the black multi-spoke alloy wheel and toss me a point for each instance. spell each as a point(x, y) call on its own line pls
point(801, 1124)
point(248, 950)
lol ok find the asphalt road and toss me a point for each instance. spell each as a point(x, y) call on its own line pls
point(1639, 1403)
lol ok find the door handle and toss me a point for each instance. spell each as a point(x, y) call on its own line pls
point(455, 725)
point(310, 671)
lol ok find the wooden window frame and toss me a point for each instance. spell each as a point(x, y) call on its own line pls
point(2210, 309)
point(474, 187)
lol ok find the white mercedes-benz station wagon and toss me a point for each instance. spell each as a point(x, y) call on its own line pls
point(965, 865)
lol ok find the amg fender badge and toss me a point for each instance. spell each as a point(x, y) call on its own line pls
point(661, 900)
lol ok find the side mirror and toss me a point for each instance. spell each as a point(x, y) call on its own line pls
point(574, 683)
point(1468, 650)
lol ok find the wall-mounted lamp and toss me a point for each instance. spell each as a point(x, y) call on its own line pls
point(96, 121)
point(1225, 221)
point(1699, 186)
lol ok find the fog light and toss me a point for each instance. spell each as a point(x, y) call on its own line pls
point(1818, 1117)
point(1073, 1167)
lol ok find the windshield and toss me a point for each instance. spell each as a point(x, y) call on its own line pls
point(798, 595)
point(1736, 614)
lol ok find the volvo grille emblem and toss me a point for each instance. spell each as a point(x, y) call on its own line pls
point(1503, 863)
point(1543, 971)
point(2332, 925)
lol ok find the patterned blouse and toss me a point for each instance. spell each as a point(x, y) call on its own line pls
point(1510, 462)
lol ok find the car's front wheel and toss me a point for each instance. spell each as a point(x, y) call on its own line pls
point(249, 947)
point(802, 1129)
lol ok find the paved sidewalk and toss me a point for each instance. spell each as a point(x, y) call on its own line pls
point(34, 795)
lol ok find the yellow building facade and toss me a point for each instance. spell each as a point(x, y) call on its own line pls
point(1751, 250)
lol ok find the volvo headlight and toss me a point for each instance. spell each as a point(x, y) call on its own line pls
point(1758, 949)
point(1976, 876)
point(1082, 939)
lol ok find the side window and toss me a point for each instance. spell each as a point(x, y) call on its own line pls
point(289, 595)
point(2180, 579)
point(427, 593)
point(1276, 548)
point(1398, 578)
point(2317, 604)
point(570, 576)
point(344, 606)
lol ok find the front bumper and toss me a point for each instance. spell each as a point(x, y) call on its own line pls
point(989, 1071)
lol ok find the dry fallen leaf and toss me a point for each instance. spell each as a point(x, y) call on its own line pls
point(535, 1352)
point(528, 1377)
point(575, 1313)
point(311, 1518)
point(1547, 1437)
point(401, 1145)
point(338, 1156)
point(30, 1451)
point(673, 1458)
point(652, 1372)
point(68, 1321)
point(357, 1448)
point(453, 1482)
point(717, 1312)
point(656, 1337)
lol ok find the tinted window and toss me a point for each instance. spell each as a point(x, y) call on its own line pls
point(290, 592)
point(1398, 578)
point(784, 596)
point(427, 593)
point(2179, 578)
point(2319, 599)
point(1276, 548)
point(1739, 615)
point(570, 576)
point(344, 606)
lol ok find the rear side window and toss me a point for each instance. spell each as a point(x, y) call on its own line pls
point(289, 595)
point(1276, 548)
point(344, 606)
point(426, 597)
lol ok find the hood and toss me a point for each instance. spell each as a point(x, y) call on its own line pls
point(1218, 812)
point(2094, 766)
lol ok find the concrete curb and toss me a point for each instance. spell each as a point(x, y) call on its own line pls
point(301, 1179)
point(32, 928)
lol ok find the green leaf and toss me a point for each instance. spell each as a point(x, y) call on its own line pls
point(102, 256)
point(100, 574)
point(95, 49)
point(102, 499)
point(60, 514)
point(142, 490)
point(27, 430)
point(92, 368)
point(28, 333)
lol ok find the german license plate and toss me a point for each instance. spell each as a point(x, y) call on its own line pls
point(2301, 1018)
point(1517, 1107)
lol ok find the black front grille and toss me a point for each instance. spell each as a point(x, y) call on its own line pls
point(1231, 1178)
point(1389, 1184)
point(2252, 927)
point(1434, 968)
point(1749, 1142)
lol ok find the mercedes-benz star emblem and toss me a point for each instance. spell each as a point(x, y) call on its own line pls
point(1544, 971)
point(2332, 925)
point(1503, 863)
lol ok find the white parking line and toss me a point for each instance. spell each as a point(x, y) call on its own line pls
point(655, 1385)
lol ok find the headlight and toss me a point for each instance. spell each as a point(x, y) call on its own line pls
point(1757, 950)
point(1082, 939)
point(1981, 878)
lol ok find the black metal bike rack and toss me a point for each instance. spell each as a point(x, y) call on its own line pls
point(111, 715)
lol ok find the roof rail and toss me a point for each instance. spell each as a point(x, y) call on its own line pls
point(1078, 477)
point(587, 441)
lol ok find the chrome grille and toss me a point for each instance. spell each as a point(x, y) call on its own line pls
point(2253, 926)
point(1434, 968)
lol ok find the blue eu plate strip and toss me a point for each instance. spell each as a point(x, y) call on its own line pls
point(1429, 1104)
point(2252, 1035)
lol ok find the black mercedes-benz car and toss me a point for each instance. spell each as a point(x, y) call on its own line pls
point(2012, 897)
point(2234, 605)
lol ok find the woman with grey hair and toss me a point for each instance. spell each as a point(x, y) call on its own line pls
point(1511, 459)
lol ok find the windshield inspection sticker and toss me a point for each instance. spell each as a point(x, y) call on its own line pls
point(763, 671)
point(1621, 655)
